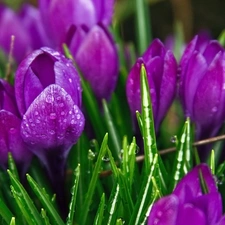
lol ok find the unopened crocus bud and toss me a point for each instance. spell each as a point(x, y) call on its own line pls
point(161, 68)
point(195, 200)
point(48, 94)
point(10, 137)
point(40, 69)
point(202, 81)
point(95, 54)
point(70, 12)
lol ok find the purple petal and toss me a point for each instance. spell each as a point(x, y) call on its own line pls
point(20, 80)
point(211, 205)
point(164, 211)
point(7, 98)
point(207, 101)
point(133, 89)
point(97, 58)
point(69, 12)
point(211, 51)
point(11, 141)
point(155, 49)
point(52, 121)
point(222, 221)
point(190, 185)
point(31, 19)
point(195, 71)
point(167, 86)
point(104, 10)
point(188, 214)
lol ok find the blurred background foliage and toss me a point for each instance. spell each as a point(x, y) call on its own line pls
point(194, 15)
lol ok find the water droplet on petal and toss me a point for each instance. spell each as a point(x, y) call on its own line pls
point(214, 109)
point(49, 98)
point(52, 132)
point(52, 116)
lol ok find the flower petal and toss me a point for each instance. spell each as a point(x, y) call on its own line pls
point(190, 185)
point(164, 211)
point(52, 121)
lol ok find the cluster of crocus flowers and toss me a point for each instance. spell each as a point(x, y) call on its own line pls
point(161, 68)
point(87, 37)
point(195, 200)
point(201, 85)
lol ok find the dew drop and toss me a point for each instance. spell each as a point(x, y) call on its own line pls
point(72, 122)
point(36, 113)
point(70, 80)
point(12, 130)
point(61, 105)
point(52, 132)
point(62, 113)
point(52, 116)
point(173, 139)
point(214, 109)
point(49, 99)
point(78, 116)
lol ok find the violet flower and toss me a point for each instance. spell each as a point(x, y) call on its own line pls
point(189, 204)
point(70, 12)
point(96, 56)
point(10, 137)
point(161, 70)
point(26, 25)
point(48, 94)
point(202, 81)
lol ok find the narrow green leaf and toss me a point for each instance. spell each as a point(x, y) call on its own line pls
point(5, 213)
point(45, 217)
point(100, 213)
point(119, 222)
point(183, 159)
point(12, 166)
point(143, 25)
point(112, 132)
point(24, 202)
point(140, 123)
point(112, 209)
point(93, 182)
point(145, 196)
point(46, 201)
point(212, 161)
point(148, 121)
point(13, 221)
point(221, 38)
point(70, 217)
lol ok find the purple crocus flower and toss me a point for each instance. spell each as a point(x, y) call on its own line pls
point(70, 12)
point(10, 122)
point(161, 68)
point(95, 54)
point(189, 204)
point(202, 81)
point(48, 94)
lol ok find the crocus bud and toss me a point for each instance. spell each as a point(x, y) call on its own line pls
point(70, 12)
point(161, 70)
point(10, 138)
point(48, 94)
point(40, 69)
point(202, 81)
point(190, 203)
point(95, 54)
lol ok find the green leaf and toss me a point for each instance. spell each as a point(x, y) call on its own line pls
point(114, 202)
point(146, 195)
point(112, 132)
point(183, 159)
point(46, 201)
point(13, 221)
point(100, 213)
point(5, 213)
point(70, 217)
point(212, 161)
point(45, 217)
point(143, 25)
point(24, 202)
point(221, 38)
point(147, 121)
point(88, 199)
point(12, 166)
